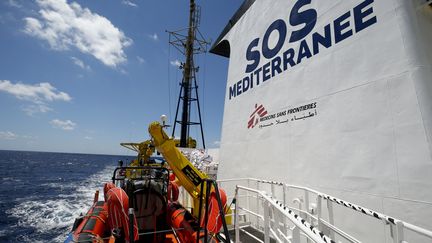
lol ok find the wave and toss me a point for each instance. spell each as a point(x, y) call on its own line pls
point(55, 217)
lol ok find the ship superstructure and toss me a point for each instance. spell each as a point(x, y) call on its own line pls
point(334, 96)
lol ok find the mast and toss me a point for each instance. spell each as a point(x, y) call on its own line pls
point(190, 44)
point(187, 77)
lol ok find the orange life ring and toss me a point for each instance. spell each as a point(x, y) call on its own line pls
point(108, 186)
point(118, 206)
point(214, 222)
point(185, 225)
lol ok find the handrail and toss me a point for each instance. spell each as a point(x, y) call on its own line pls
point(395, 223)
point(311, 231)
point(357, 208)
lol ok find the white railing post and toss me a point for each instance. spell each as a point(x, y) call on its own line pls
point(396, 232)
point(305, 215)
point(393, 232)
point(247, 217)
point(285, 189)
point(236, 217)
point(285, 227)
point(319, 213)
point(257, 205)
point(273, 193)
point(295, 234)
point(307, 203)
point(399, 232)
point(331, 216)
point(266, 222)
point(279, 223)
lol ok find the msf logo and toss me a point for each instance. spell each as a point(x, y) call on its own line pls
point(259, 112)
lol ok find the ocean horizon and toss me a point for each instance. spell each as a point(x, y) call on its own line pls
point(42, 193)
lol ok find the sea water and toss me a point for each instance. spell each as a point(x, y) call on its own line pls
point(42, 193)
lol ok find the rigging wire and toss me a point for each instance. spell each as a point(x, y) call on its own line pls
point(198, 84)
point(177, 80)
point(169, 82)
point(204, 88)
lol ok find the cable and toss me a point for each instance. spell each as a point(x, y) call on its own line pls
point(169, 81)
point(203, 89)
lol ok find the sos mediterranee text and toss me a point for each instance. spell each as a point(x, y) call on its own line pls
point(310, 45)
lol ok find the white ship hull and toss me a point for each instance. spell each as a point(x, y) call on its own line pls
point(342, 104)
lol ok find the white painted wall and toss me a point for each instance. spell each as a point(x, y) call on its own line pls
point(370, 141)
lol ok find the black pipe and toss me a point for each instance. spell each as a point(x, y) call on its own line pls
point(131, 225)
point(206, 209)
point(200, 211)
point(222, 212)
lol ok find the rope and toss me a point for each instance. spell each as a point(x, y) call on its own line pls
point(271, 182)
point(360, 209)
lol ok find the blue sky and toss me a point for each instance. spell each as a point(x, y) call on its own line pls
point(83, 76)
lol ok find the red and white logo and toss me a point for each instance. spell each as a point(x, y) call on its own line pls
point(259, 112)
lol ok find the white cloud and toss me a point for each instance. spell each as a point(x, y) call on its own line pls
point(140, 59)
point(176, 63)
point(65, 125)
point(80, 63)
point(154, 37)
point(216, 143)
point(8, 135)
point(65, 25)
point(14, 3)
point(36, 108)
point(88, 138)
point(37, 94)
point(129, 3)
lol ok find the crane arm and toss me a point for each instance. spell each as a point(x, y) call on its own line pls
point(189, 176)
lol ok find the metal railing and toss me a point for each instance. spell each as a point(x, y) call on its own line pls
point(263, 205)
point(276, 226)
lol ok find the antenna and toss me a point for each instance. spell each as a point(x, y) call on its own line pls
point(189, 45)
